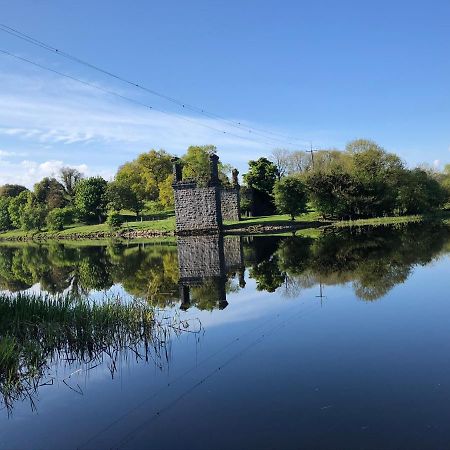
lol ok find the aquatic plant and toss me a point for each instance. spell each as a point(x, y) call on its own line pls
point(37, 332)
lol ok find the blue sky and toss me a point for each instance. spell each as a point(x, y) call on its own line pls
point(323, 71)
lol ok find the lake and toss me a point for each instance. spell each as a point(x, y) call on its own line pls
point(324, 340)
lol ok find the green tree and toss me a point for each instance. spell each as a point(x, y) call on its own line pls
point(290, 196)
point(166, 192)
point(5, 219)
point(33, 215)
point(91, 199)
point(16, 207)
point(51, 193)
point(123, 196)
point(145, 174)
point(11, 190)
point(262, 175)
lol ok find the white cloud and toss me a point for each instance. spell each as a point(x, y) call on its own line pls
point(60, 122)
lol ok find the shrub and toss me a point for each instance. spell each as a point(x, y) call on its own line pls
point(114, 220)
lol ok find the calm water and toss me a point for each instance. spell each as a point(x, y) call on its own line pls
point(334, 341)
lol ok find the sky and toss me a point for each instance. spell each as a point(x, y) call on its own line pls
point(289, 72)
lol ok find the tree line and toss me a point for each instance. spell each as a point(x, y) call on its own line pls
point(142, 184)
point(362, 181)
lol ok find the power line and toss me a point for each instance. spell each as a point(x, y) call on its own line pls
point(129, 99)
point(184, 105)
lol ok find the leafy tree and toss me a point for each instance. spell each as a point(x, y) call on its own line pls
point(123, 196)
point(196, 164)
point(50, 192)
point(16, 207)
point(5, 219)
point(33, 215)
point(166, 192)
point(145, 174)
point(11, 190)
point(290, 196)
point(69, 178)
point(419, 192)
point(91, 199)
point(262, 175)
point(335, 194)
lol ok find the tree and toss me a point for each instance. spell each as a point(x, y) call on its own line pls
point(122, 196)
point(57, 218)
point(334, 194)
point(290, 196)
point(5, 219)
point(166, 192)
point(91, 199)
point(262, 175)
point(33, 215)
point(261, 178)
point(419, 193)
point(16, 206)
point(196, 164)
point(11, 190)
point(69, 178)
point(145, 174)
point(282, 160)
point(50, 192)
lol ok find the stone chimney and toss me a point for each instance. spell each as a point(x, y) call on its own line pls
point(214, 169)
point(177, 170)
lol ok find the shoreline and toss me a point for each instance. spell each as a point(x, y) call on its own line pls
point(247, 226)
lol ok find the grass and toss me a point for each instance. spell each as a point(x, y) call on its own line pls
point(36, 331)
point(163, 225)
point(167, 225)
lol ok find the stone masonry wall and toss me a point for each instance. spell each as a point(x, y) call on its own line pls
point(233, 253)
point(229, 202)
point(197, 208)
point(200, 257)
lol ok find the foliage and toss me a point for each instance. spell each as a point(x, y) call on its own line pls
point(91, 199)
point(114, 220)
point(5, 219)
point(145, 174)
point(11, 190)
point(166, 192)
point(262, 175)
point(69, 178)
point(123, 196)
point(33, 215)
point(16, 207)
point(290, 196)
point(51, 192)
point(58, 217)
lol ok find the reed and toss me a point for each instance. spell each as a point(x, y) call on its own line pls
point(39, 331)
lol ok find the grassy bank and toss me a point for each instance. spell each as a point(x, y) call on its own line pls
point(166, 227)
point(81, 231)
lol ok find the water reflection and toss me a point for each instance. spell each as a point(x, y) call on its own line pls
point(199, 271)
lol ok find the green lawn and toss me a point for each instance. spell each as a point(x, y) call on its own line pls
point(165, 225)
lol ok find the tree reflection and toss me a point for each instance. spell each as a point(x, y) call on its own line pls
point(373, 260)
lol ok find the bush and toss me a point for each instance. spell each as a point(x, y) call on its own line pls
point(114, 220)
point(59, 217)
point(33, 216)
point(290, 196)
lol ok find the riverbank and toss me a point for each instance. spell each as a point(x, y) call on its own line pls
point(250, 225)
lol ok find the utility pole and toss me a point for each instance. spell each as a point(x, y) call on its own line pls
point(311, 150)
